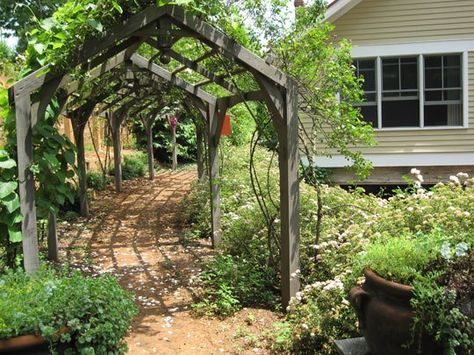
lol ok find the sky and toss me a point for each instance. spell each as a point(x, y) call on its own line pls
point(12, 40)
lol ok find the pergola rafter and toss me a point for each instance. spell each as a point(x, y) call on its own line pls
point(118, 45)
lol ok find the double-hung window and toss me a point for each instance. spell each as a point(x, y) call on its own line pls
point(415, 91)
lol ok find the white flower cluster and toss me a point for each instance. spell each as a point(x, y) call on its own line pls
point(418, 177)
point(324, 286)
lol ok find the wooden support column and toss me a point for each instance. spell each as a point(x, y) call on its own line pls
point(53, 250)
point(214, 124)
point(26, 182)
point(283, 106)
point(289, 195)
point(148, 124)
point(79, 120)
point(200, 152)
point(174, 155)
point(115, 122)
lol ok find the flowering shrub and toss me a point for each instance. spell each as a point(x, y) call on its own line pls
point(350, 222)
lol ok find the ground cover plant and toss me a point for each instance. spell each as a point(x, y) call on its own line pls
point(354, 226)
point(88, 315)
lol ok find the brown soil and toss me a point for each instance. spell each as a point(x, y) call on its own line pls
point(137, 235)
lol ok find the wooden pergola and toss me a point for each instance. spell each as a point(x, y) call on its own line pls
point(161, 27)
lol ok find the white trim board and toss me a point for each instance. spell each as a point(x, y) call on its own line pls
point(415, 48)
point(394, 160)
point(339, 9)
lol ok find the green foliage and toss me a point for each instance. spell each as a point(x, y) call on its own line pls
point(408, 232)
point(134, 166)
point(437, 312)
point(228, 283)
point(324, 71)
point(95, 311)
point(10, 216)
point(96, 180)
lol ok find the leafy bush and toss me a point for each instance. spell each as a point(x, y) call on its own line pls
point(351, 222)
point(96, 180)
point(134, 166)
point(95, 311)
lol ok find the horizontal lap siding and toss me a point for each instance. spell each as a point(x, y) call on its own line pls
point(402, 21)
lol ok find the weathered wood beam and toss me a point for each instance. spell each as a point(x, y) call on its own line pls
point(215, 38)
point(231, 101)
point(53, 248)
point(142, 62)
point(193, 65)
point(93, 47)
point(26, 182)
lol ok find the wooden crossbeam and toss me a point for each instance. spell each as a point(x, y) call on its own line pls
point(188, 63)
point(142, 62)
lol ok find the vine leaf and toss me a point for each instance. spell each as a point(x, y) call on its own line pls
point(14, 234)
point(7, 164)
point(96, 25)
point(6, 188)
point(11, 202)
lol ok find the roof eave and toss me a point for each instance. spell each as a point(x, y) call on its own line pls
point(339, 8)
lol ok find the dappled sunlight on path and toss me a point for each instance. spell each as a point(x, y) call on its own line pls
point(135, 235)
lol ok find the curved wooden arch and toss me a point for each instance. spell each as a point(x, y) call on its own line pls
point(168, 24)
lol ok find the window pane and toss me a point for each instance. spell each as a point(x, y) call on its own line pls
point(452, 78)
point(369, 79)
point(369, 114)
point(370, 97)
point(433, 62)
point(401, 113)
point(409, 74)
point(433, 78)
point(366, 63)
point(452, 60)
point(390, 75)
point(453, 94)
point(436, 95)
point(443, 115)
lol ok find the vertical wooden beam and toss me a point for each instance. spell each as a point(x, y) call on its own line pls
point(174, 155)
point(213, 142)
point(148, 122)
point(53, 250)
point(200, 151)
point(289, 195)
point(115, 127)
point(78, 130)
point(26, 182)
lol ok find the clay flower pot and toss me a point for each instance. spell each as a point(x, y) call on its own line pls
point(22, 342)
point(385, 317)
point(27, 343)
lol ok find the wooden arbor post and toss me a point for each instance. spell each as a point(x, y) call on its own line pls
point(115, 121)
point(79, 120)
point(283, 106)
point(148, 121)
point(200, 141)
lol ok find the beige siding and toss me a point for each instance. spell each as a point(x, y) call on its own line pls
point(373, 22)
point(404, 21)
point(425, 140)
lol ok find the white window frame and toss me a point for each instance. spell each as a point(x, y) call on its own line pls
point(419, 49)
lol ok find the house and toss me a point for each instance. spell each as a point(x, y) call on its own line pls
point(417, 58)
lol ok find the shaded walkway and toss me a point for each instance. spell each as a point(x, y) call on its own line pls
point(136, 236)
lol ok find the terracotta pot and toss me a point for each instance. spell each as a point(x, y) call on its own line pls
point(385, 317)
point(23, 342)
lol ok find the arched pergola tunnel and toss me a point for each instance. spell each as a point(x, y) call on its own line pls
point(161, 27)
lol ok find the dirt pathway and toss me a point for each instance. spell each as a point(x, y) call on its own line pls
point(136, 236)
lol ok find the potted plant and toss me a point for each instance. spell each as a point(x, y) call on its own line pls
point(63, 310)
point(417, 296)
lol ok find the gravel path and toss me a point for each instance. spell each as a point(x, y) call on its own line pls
point(136, 235)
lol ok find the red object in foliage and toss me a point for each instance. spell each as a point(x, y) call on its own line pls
point(226, 127)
